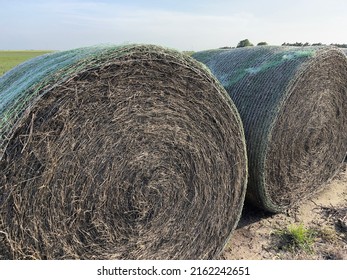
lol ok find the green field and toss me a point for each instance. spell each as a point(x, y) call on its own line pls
point(9, 59)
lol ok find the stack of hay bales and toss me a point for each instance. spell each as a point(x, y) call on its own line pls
point(132, 152)
point(293, 104)
point(138, 152)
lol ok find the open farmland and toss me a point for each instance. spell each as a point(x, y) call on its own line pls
point(9, 59)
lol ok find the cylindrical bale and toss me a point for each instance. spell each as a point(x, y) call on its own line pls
point(132, 152)
point(293, 105)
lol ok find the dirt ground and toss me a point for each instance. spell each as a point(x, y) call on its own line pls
point(325, 215)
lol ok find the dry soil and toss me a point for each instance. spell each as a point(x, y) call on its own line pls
point(258, 235)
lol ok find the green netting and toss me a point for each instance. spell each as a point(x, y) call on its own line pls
point(25, 83)
point(263, 82)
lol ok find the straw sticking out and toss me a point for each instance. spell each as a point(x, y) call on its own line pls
point(134, 152)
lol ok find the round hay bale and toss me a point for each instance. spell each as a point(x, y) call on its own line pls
point(132, 152)
point(293, 105)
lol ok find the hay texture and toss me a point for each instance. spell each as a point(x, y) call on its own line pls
point(132, 152)
point(293, 105)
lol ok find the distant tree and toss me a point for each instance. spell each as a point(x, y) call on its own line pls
point(317, 44)
point(244, 43)
point(339, 45)
point(297, 44)
point(306, 44)
point(226, 47)
point(262, 44)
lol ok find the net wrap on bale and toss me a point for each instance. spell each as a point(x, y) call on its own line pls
point(131, 152)
point(293, 105)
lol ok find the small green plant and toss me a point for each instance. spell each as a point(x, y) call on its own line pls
point(297, 237)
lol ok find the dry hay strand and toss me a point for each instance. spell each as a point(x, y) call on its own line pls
point(337, 214)
point(135, 152)
point(293, 105)
point(344, 50)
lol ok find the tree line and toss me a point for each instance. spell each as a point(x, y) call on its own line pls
point(247, 43)
point(299, 44)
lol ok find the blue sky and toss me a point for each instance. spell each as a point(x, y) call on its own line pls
point(184, 25)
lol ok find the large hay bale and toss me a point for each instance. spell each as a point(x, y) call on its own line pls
point(132, 152)
point(293, 105)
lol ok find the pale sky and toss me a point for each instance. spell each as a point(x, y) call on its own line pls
point(181, 24)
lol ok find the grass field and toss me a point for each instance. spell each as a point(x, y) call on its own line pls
point(9, 59)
